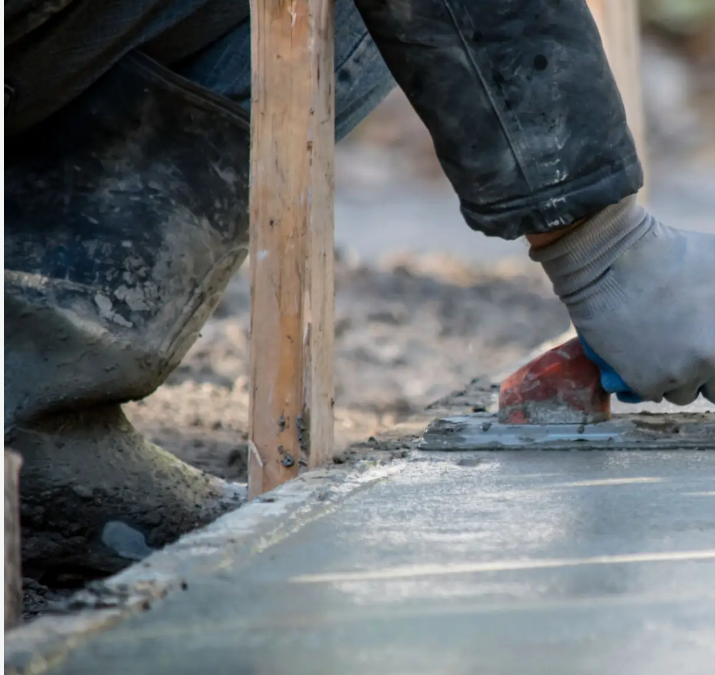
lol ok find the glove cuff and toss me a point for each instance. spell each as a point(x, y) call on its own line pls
point(576, 261)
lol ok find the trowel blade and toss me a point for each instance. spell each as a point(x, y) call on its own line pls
point(644, 431)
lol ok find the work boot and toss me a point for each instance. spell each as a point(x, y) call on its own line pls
point(125, 219)
point(97, 496)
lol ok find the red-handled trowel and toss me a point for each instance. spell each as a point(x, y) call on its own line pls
point(556, 402)
point(559, 387)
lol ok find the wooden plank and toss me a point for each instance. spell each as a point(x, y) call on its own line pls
point(618, 22)
point(291, 252)
point(13, 574)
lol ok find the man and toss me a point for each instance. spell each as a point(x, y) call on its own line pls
point(126, 199)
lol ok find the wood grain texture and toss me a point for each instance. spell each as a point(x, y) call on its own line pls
point(291, 208)
point(619, 25)
point(13, 573)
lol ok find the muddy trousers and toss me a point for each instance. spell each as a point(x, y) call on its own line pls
point(126, 174)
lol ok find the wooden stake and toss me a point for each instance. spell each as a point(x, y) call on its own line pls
point(291, 206)
point(618, 22)
point(13, 573)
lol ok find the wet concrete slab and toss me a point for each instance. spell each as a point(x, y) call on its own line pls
point(511, 562)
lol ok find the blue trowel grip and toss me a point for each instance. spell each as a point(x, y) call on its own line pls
point(611, 381)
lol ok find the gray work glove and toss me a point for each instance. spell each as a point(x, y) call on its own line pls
point(642, 298)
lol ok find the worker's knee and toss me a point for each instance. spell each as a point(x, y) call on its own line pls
point(126, 216)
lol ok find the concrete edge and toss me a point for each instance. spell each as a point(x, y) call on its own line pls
point(234, 537)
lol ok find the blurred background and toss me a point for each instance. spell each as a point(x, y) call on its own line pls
point(423, 304)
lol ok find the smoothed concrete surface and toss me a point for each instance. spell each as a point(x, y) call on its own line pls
point(512, 562)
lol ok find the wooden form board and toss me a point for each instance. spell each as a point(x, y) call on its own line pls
point(619, 25)
point(291, 250)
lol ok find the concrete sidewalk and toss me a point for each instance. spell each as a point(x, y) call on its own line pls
point(502, 562)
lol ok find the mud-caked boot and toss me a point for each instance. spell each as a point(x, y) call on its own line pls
point(125, 219)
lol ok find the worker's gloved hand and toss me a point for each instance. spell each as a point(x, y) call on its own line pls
point(642, 298)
